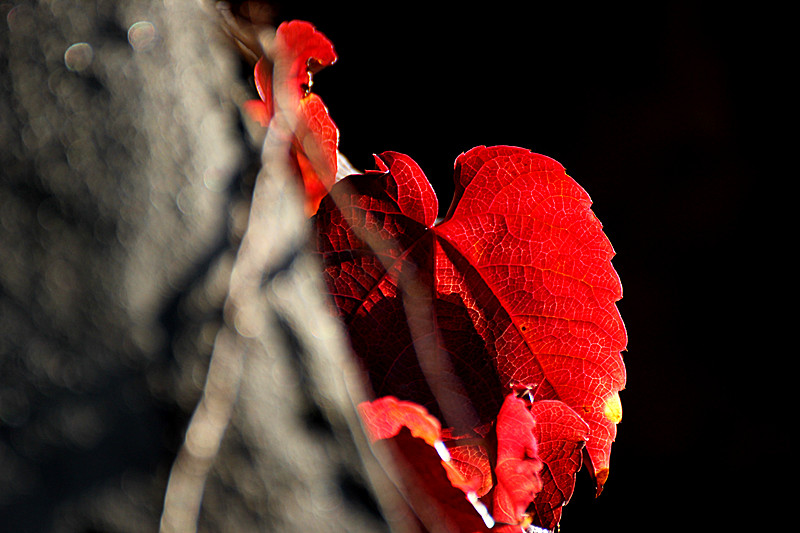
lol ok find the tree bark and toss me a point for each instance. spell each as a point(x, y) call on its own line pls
point(125, 298)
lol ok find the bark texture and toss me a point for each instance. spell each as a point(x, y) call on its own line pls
point(127, 181)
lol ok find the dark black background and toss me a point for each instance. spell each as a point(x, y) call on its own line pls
point(668, 116)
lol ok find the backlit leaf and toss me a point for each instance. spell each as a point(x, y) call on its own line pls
point(561, 436)
point(433, 484)
point(518, 464)
point(300, 51)
point(514, 286)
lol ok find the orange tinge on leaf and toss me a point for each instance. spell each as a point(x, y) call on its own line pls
point(456, 487)
point(385, 417)
point(302, 51)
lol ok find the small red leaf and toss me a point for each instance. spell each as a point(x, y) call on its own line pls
point(385, 417)
point(316, 145)
point(300, 50)
point(518, 463)
point(471, 460)
point(306, 50)
point(432, 481)
point(263, 79)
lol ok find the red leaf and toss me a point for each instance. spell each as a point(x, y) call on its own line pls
point(559, 288)
point(306, 51)
point(316, 145)
point(470, 459)
point(427, 484)
point(561, 435)
point(299, 51)
point(435, 488)
point(518, 463)
point(302, 51)
point(263, 78)
point(385, 417)
point(514, 286)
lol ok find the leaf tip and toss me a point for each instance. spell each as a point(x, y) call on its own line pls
point(601, 476)
point(380, 163)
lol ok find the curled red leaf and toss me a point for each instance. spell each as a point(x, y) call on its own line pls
point(432, 481)
point(518, 464)
point(306, 50)
point(300, 51)
point(385, 417)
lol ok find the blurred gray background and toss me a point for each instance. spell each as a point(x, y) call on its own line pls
point(127, 175)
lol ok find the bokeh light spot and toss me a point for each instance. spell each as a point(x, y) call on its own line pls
point(78, 56)
point(142, 35)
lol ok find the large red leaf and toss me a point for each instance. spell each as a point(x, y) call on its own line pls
point(548, 265)
point(514, 287)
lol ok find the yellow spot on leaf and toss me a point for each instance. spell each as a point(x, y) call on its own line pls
point(613, 408)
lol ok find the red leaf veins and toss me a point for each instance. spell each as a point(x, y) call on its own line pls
point(514, 286)
point(518, 464)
